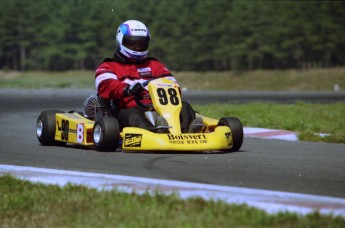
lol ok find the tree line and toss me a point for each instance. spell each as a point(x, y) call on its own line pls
point(197, 35)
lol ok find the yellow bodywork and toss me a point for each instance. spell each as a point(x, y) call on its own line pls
point(167, 102)
point(135, 139)
point(166, 99)
point(74, 128)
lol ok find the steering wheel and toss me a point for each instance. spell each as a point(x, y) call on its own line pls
point(138, 97)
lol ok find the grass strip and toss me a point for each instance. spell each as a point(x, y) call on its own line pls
point(260, 80)
point(307, 119)
point(25, 204)
point(41, 79)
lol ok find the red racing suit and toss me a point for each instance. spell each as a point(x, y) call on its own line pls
point(113, 76)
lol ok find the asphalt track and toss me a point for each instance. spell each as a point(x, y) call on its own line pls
point(300, 167)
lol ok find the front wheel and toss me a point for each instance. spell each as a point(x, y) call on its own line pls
point(45, 128)
point(106, 134)
point(236, 128)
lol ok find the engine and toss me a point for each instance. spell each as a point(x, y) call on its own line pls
point(92, 104)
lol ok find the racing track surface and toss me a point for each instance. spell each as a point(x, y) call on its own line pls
point(300, 167)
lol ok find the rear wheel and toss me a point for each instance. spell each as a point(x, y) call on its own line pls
point(45, 128)
point(106, 133)
point(236, 128)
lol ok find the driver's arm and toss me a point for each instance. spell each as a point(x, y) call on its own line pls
point(107, 84)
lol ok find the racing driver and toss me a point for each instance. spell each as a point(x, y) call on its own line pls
point(121, 77)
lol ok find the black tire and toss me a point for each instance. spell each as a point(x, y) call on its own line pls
point(106, 133)
point(236, 128)
point(45, 128)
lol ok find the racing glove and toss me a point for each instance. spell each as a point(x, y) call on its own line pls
point(135, 88)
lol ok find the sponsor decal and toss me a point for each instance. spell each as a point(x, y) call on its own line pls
point(133, 140)
point(187, 139)
point(145, 71)
point(164, 85)
point(138, 29)
point(80, 133)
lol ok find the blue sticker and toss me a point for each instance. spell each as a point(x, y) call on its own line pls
point(125, 29)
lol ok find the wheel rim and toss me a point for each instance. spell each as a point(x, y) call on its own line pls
point(39, 128)
point(97, 134)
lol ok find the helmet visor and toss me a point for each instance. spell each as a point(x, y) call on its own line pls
point(136, 43)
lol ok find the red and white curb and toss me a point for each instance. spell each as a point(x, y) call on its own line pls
point(263, 133)
point(269, 201)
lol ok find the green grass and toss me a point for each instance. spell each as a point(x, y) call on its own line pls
point(260, 80)
point(24, 204)
point(34, 80)
point(265, 80)
point(306, 119)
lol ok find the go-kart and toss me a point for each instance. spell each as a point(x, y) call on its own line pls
point(97, 127)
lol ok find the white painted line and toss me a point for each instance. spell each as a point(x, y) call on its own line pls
point(269, 201)
point(263, 133)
